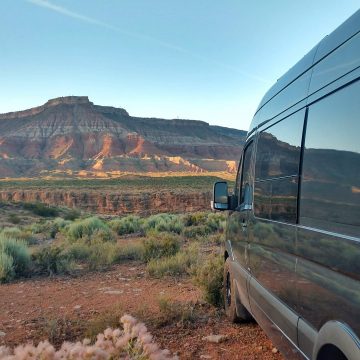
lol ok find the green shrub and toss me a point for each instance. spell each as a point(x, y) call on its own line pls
point(209, 277)
point(177, 265)
point(78, 251)
point(193, 232)
point(130, 252)
point(49, 228)
point(41, 209)
point(162, 245)
point(127, 225)
point(16, 252)
point(51, 260)
point(95, 256)
point(212, 221)
point(89, 229)
point(102, 255)
point(15, 233)
point(71, 214)
point(195, 219)
point(14, 219)
point(216, 222)
point(61, 223)
point(6, 267)
point(163, 222)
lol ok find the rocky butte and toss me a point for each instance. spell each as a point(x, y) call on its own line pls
point(72, 136)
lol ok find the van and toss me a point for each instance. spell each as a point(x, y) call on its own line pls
point(292, 248)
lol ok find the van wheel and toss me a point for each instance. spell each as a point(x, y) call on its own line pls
point(230, 301)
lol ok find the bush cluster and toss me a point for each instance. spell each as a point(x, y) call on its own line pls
point(41, 209)
point(50, 260)
point(128, 225)
point(88, 230)
point(161, 245)
point(14, 258)
point(163, 222)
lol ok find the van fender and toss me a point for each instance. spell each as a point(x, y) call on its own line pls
point(228, 250)
point(340, 335)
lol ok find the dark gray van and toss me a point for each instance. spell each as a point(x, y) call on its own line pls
point(292, 250)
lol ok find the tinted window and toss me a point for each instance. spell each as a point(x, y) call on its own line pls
point(330, 191)
point(245, 194)
point(277, 168)
point(276, 199)
point(278, 150)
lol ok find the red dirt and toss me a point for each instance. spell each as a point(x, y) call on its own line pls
point(29, 307)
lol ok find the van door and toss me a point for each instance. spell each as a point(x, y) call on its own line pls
point(272, 228)
point(237, 232)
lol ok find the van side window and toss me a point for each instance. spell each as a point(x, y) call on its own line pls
point(330, 189)
point(277, 169)
point(245, 190)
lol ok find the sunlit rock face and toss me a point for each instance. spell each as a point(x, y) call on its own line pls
point(72, 134)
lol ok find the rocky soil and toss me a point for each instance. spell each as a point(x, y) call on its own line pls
point(68, 308)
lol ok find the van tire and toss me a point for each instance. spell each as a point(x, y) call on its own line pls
point(234, 310)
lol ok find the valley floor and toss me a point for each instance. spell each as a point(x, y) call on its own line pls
point(67, 308)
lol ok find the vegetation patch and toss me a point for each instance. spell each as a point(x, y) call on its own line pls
point(41, 209)
point(161, 245)
point(14, 258)
point(180, 264)
point(163, 223)
point(209, 276)
point(51, 260)
point(128, 225)
point(89, 229)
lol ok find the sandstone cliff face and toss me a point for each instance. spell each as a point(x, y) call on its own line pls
point(111, 203)
point(71, 135)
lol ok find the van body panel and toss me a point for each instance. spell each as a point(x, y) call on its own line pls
point(287, 98)
point(260, 312)
point(306, 338)
point(296, 244)
point(340, 62)
point(341, 34)
point(328, 283)
point(290, 76)
point(241, 277)
point(273, 265)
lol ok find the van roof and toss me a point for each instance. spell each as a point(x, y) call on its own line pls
point(329, 43)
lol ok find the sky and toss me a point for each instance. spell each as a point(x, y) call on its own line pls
point(205, 60)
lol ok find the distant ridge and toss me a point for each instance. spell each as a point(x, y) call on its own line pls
point(71, 136)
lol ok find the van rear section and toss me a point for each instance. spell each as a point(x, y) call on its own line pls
point(293, 233)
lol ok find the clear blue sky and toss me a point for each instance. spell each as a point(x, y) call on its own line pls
point(209, 60)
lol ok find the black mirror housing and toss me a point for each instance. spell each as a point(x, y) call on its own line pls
point(220, 199)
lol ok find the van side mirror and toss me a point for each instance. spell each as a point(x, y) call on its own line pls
point(220, 196)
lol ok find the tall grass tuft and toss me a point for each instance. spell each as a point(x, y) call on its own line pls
point(163, 222)
point(179, 264)
point(209, 277)
point(14, 252)
point(6, 267)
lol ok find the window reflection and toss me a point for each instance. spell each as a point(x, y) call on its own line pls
point(330, 196)
point(278, 150)
point(277, 168)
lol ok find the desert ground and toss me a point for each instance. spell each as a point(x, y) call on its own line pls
point(83, 271)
